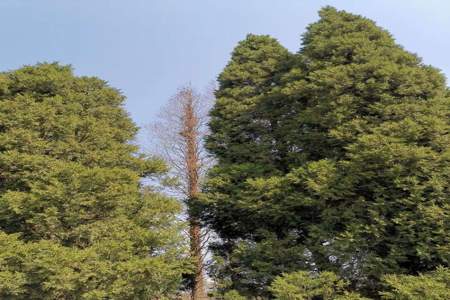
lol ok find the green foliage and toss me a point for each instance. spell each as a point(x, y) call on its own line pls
point(326, 285)
point(75, 222)
point(252, 70)
point(434, 286)
point(303, 285)
point(251, 267)
point(239, 135)
point(233, 295)
point(343, 146)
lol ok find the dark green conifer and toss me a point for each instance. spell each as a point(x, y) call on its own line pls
point(358, 166)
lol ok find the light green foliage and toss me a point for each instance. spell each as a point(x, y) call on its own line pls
point(233, 295)
point(345, 147)
point(303, 285)
point(433, 286)
point(74, 221)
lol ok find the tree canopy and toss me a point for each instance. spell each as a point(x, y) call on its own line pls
point(75, 222)
point(331, 178)
point(340, 152)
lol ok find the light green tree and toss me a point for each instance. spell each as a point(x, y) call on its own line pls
point(75, 222)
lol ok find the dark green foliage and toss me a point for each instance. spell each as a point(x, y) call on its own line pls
point(251, 266)
point(345, 147)
point(74, 221)
point(239, 128)
point(240, 136)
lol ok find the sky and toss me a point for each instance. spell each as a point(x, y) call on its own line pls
point(148, 48)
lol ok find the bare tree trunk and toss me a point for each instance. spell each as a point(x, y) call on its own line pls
point(191, 135)
point(198, 290)
point(180, 134)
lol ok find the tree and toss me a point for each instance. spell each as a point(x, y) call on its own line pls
point(239, 131)
point(75, 222)
point(375, 138)
point(179, 134)
point(348, 153)
point(241, 140)
point(241, 136)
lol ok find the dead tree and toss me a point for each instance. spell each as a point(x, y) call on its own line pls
point(179, 133)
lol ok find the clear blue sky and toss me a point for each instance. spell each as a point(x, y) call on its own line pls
point(147, 48)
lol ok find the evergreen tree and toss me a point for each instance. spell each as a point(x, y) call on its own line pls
point(358, 165)
point(75, 223)
point(241, 136)
point(239, 129)
point(376, 124)
point(242, 140)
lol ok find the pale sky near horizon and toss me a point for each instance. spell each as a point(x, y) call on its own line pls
point(147, 48)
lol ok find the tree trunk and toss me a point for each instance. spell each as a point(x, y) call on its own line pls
point(191, 134)
point(198, 289)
